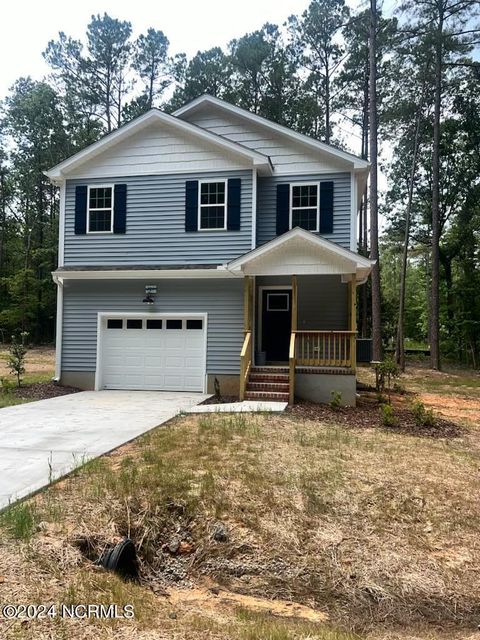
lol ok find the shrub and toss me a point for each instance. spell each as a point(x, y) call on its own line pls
point(388, 417)
point(16, 355)
point(387, 371)
point(423, 417)
point(336, 399)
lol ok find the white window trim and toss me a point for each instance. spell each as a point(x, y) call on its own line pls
point(100, 186)
point(278, 294)
point(290, 208)
point(225, 206)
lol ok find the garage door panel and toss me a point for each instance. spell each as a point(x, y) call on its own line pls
point(160, 358)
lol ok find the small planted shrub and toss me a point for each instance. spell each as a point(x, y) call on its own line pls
point(16, 355)
point(388, 371)
point(423, 417)
point(336, 400)
point(388, 416)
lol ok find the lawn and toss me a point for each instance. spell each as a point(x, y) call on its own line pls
point(266, 527)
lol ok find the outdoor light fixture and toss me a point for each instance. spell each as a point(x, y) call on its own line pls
point(150, 291)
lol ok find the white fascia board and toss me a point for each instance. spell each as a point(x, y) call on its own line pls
point(355, 161)
point(145, 274)
point(154, 115)
point(315, 240)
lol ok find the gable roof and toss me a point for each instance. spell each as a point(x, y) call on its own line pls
point(312, 143)
point(59, 171)
point(301, 252)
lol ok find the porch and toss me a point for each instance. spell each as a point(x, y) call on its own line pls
point(300, 319)
point(296, 328)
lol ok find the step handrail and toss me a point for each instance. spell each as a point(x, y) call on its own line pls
point(245, 363)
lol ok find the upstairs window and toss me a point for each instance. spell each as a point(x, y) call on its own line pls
point(212, 209)
point(304, 206)
point(100, 210)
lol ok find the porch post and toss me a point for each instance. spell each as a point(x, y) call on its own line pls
point(247, 303)
point(352, 307)
point(294, 304)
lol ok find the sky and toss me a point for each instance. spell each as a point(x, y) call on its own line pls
point(27, 26)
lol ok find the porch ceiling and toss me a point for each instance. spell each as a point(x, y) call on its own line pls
point(299, 252)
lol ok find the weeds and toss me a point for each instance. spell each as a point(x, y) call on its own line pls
point(19, 520)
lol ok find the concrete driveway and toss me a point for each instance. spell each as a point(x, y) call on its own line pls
point(44, 440)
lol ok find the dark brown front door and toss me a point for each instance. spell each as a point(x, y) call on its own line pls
point(276, 324)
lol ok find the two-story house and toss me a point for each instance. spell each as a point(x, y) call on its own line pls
point(209, 247)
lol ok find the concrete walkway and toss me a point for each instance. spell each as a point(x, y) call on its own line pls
point(41, 441)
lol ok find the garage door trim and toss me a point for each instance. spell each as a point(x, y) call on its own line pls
point(129, 314)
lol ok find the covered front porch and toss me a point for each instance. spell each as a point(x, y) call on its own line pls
point(300, 319)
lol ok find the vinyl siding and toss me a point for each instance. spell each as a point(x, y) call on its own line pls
point(155, 150)
point(156, 225)
point(221, 299)
point(286, 155)
point(267, 205)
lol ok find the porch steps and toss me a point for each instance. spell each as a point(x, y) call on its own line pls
point(268, 383)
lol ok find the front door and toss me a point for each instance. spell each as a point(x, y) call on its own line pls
point(276, 324)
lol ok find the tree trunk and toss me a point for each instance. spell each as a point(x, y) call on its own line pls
point(376, 299)
point(400, 347)
point(435, 289)
point(327, 103)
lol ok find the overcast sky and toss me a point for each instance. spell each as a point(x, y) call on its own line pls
point(190, 25)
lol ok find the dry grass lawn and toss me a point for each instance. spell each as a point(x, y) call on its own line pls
point(265, 527)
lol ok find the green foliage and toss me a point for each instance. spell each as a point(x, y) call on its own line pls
point(16, 355)
point(336, 399)
point(423, 417)
point(387, 371)
point(388, 415)
point(19, 520)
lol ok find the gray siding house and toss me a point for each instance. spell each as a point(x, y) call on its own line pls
point(209, 247)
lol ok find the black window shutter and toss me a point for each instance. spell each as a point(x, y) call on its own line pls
point(191, 205)
point(326, 207)
point(283, 208)
point(233, 207)
point(120, 208)
point(81, 209)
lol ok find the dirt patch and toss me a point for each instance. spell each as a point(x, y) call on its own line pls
point(39, 360)
point(463, 409)
point(214, 597)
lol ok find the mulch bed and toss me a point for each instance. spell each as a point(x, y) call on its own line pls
point(367, 415)
point(220, 400)
point(43, 390)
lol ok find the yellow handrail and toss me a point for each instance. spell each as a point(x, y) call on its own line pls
point(245, 362)
point(326, 348)
point(291, 361)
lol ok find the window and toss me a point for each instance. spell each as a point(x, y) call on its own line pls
point(114, 323)
point(304, 209)
point(100, 210)
point(134, 323)
point(174, 324)
point(154, 324)
point(194, 324)
point(212, 212)
point(278, 302)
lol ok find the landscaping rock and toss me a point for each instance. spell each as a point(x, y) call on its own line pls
point(220, 532)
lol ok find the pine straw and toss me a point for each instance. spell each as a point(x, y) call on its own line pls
point(378, 529)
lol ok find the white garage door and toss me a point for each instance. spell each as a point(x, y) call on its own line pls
point(153, 352)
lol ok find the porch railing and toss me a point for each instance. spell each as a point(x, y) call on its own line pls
point(245, 362)
point(325, 348)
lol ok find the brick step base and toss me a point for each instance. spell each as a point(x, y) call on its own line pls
point(281, 387)
point(270, 396)
point(280, 378)
point(270, 370)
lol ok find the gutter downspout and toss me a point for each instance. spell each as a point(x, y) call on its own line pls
point(59, 329)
